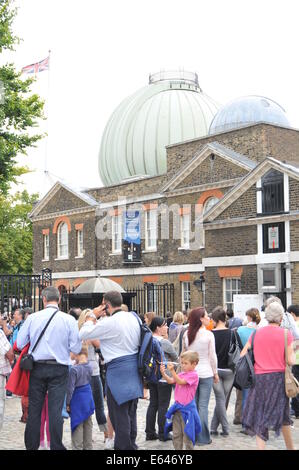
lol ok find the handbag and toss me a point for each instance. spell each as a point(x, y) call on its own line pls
point(233, 352)
point(27, 361)
point(244, 373)
point(291, 383)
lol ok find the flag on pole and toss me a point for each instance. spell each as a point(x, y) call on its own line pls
point(38, 67)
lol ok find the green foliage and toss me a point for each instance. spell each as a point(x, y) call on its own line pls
point(16, 233)
point(19, 108)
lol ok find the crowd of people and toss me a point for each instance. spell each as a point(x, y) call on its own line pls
point(86, 357)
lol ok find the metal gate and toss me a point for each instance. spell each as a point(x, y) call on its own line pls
point(153, 298)
point(23, 290)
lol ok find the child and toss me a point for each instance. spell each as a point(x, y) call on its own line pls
point(79, 401)
point(183, 416)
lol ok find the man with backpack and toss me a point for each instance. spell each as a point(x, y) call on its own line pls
point(120, 338)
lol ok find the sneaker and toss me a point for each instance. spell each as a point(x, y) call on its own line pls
point(236, 421)
point(214, 433)
point(152, 437)
point(109, 444)
point(224, 434)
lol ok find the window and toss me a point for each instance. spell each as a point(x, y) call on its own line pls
point(79, 237)
point(151, 230)
point(46, 251)
point(62, 241)
point(272, 192)
point(230, 287)
point(210, 203)
point(116, 233)
point(273, 238)
point(186, 295)
point(269, 278)
point(152, 300)
point(185, 230)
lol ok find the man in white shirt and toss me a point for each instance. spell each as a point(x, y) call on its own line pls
point(50, 371)
point(119, 335)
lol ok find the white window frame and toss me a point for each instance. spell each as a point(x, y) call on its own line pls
point(151, 230)
point(186, 295)
point(207, 205)
point(185, 231)
point(62, 249)
point(80, 243)
point(46, 247)
point(227, 303)
point(116, 231)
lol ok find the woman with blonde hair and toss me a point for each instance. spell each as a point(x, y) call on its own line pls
point(176, 326)
point(96, 383)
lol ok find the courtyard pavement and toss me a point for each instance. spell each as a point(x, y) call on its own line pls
point(12, 434)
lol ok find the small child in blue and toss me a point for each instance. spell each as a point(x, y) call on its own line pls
point(183, 417)
point(79, 401)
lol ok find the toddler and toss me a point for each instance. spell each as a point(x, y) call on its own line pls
point(79, 401)
point(183, 416)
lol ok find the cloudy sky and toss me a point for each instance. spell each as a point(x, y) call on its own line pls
point(102, 51)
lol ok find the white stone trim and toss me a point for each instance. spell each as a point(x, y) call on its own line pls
point(260, 239)
point(55, 215)
point(203, 187)
point(286, 192)
point(259, 205)
point(182, 268)
point(244, 260)
point(130, 200)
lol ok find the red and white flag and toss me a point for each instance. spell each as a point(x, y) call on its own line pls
point(38, 67)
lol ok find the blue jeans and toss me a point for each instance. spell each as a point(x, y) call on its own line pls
point(98, 397)
point(202, 399)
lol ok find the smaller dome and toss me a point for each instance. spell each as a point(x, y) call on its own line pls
point(248, 110)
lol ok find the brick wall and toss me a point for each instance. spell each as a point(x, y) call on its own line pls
point(245, 206)
point(234, 241)
point(294, 194)
point(294, 235)
point(73, 263)
point(295, 283)
point(62, 201)
point(210, 172)
point(256, 142)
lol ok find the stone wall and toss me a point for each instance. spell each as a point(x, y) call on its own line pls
point(231, 241)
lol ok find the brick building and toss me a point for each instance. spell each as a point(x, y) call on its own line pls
point(236, 190)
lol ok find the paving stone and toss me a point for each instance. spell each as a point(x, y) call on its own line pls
point(12, 434)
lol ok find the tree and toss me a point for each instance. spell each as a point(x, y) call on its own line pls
point(16, 233)
point(19, 108)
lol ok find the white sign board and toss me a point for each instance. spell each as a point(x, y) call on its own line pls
point(243, 302)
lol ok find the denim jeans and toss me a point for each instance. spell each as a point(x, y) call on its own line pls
point(160, 394)
point(202, 399)
point(98, 397)
point(222, 389)
point(51, 378)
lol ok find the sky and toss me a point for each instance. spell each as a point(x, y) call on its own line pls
point(103, 51)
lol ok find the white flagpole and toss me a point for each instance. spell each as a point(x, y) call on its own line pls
point(48, 116)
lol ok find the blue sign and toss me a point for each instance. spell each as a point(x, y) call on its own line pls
point(132, 227)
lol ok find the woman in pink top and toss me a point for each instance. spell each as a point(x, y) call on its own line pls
point(202, 341)
point(267, 406)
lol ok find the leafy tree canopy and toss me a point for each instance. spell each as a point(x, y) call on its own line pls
point(16, 233)
point(19, 108)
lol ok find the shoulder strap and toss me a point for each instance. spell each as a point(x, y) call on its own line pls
point(42, 333)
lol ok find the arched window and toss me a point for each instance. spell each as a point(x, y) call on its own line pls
point(210, 203)
point(62, 241)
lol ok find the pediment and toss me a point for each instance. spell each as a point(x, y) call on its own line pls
point(246, 185)
point(213, 163)
point(61, 198)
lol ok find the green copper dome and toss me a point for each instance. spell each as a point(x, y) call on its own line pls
point(171, 109)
